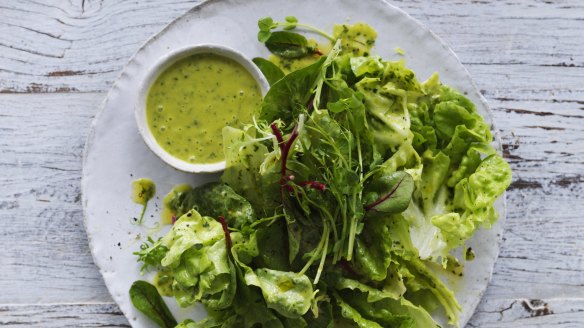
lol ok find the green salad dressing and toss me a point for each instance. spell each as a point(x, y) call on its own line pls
point(190, 102)
point(357, 39)
point(167, 212)
point(469, 255)
point(163, 282)
point(143, 190)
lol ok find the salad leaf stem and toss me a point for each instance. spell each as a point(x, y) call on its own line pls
point(226, 232)
point(312, 28)
point(278, 134)
point(284, 147)
point(313, 184)
point(318, 250)
point(287, 147)
point(352, 233)
point(322, 259)
point(342, 242)
point(267, 24)
point(142, 213)
point(360, 157)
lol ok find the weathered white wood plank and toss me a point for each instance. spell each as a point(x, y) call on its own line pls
point(62, 315)
point(500, 313)
point(46, 257)
point(85, 50)
point(511, 313)
point(59, 46)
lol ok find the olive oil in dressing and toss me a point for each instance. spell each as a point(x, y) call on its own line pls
point(191, 102)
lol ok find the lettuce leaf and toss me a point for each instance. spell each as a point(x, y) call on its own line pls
point(195, 257)
point(288, 293)
point(386, 312)
point(244, 154)
point(388, 117)
point(418, 276)
point(189, 230)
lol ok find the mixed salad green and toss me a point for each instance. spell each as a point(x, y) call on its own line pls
point(341, 203)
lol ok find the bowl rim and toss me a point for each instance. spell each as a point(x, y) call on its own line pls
point(156, 69)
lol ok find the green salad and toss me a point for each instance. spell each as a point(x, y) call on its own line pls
point(340, 206)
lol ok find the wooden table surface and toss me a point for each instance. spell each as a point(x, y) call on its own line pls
point(59, 58)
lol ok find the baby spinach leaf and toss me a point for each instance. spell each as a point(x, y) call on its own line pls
point(389, 193)
point(372, 251)
point(272, 72)
point(273, 248)
point(289, 95)
point(145, 298)
point(288, 45)
point(294, 238)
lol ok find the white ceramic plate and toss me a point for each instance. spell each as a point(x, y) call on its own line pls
point(116, 154)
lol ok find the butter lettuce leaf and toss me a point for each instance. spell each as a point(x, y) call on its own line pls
point(196, 259)
point(288, 293)
point(418, 276)
point(190, 230)
point(482, 188)
point(388, 117)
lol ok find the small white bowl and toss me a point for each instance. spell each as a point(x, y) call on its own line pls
point(160, 66)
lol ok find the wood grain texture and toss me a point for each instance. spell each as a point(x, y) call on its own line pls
point(62, 316)
point(41, 220)
point(58, 58)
